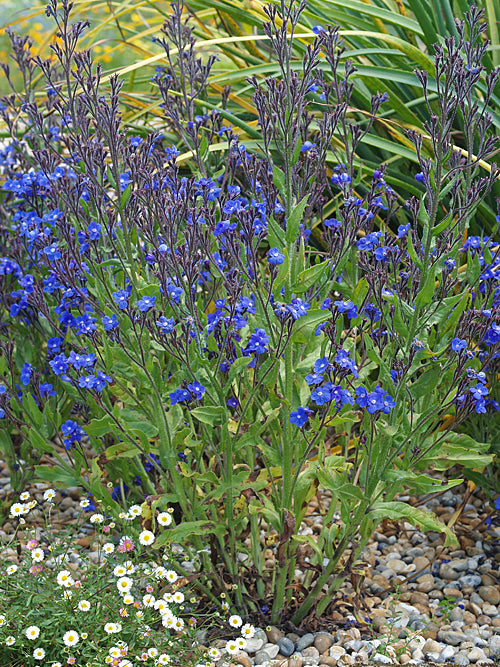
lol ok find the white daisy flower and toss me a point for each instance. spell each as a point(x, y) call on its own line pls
point(128, 599)
point(128, 565)
point(168, 597)
point(178, 624)
point(242, 643)
point(171, 576)
point(235, 621)
point(161, 606)
point(160, 572)
point(68, 595)
point(31, 505)
point(232, 647)
point(179, 597)
point(12, 569)
point(153, 652)
point(164, 519)
point(17, 509)
point(71, 638)
point(37, 555)
point(49, 495)
point(139, 613)
point(96, 518)
point(168, 621)
point(3, 620)
point(108, 548)
point(214, 653)
point(110, 628)
point(148, 600)
point(64, 578)
point(84, 503)
point(39, 654)
point(225, 606)
point(84, 605)
point(10, 640)
point(125, 663)
point(115, 651)
point(135, 510)
point(163, 659)
point(25, 495)
point(248, 631)
point(33, 632)
point(124, 584)
point(146, 537)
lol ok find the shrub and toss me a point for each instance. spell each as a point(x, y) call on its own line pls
point(217, 330)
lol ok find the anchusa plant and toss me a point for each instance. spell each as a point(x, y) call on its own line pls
point(115, 601)
point(236, 337)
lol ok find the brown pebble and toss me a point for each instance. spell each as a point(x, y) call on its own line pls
point(403, 659)
point(83, 541)
point(451, 592)
point(242, 658)
point(490, 594)
point(294, 661)
point(495, 622)
point(483, 620)
point(419, 597)
point(430, 631)
point(329, 661)
point(310, 652)
point(423, 608)
point(323, 642)
point(469, 618)
point(273, 634)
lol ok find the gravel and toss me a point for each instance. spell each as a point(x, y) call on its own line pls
point(408, 575)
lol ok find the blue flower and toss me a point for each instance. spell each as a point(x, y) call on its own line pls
point(166, 325)
point(479, 391)
point(52, 252)
point(94, 231)
point(449, 264)
point(382, 254)
point(332, 223)
point(26, 372)
point(420, 177)
point(298, 308)
point(347, 307)
point(458, 344)
point(109, 322)
point(197, 389)
point(344, 361)
point(314, 378)
point(121, 297)
point(300, 417)
point(306, 146)
point(59, 364)
point(72, 433)
point(180, 396)
point(258, 342)
point(87, 381)
point(274, 256)
point(46, 389)
point(146, 303)
point(322, 395)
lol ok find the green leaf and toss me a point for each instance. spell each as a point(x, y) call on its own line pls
point(294, 220)
point(210, 414)
point(427, 291)
point(418, 483)
point(426, 383)
point(311, 276)
point(279, 179)
point(426, 520)
point(186, 529)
